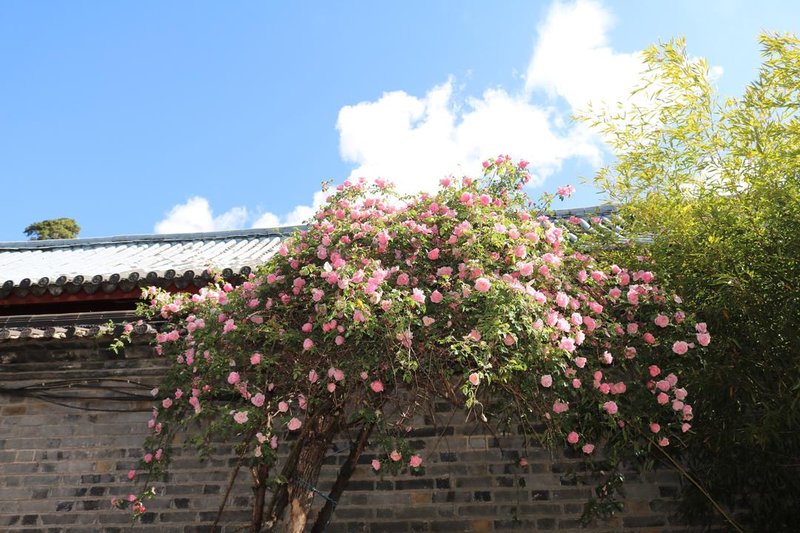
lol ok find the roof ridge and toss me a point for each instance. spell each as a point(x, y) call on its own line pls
point(284, 231)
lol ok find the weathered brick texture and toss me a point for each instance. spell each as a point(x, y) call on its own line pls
point(60, 467)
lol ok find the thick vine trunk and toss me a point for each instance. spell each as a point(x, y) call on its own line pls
point(260, 476)
point(345, 472)
point(309, 462)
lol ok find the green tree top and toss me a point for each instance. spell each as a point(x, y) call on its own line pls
point(54, 228)
point(715, 184)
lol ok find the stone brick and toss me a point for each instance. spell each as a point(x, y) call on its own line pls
point(59, 468)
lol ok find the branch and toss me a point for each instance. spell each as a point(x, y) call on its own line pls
point(700, 487)
point(345, 472)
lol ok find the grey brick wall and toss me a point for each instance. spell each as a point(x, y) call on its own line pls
point(60, 466)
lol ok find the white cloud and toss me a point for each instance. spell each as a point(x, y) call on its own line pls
point(299, 215)
point(572, 57)
point(196, 215)
point(267, 220)
point(414, 141)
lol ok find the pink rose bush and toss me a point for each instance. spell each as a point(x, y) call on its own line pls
point(466, 295)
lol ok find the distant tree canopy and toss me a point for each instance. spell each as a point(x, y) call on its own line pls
point(54, 228)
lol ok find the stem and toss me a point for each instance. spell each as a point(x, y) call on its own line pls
point(324, 515)
point(227, 493)
point(309, 462)
point(233, 479)
point(280, 498)
point(702, 489)
point(260, 476)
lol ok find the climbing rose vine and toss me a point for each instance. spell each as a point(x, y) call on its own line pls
point(468, 295)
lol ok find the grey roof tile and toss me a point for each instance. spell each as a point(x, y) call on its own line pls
point(138, 260)
point(129, 262)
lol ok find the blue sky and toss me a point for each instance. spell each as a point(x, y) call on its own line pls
point(142, 117)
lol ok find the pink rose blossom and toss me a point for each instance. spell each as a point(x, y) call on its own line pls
point(475, 379)
point(415, 461)
point(655, 427)
point(376, 465)
point(294, 424)
point(654, 370)
point(580, 362)
point(436, 297)
point(573, 437)
point(565, 191)
point(546, 381)
point(433, 255)
point(395, 456)
point(240, 417)
point(587, 448)
point(376, 386)
point(283, 407)
point(482, 285)
point(703, 339)
point(255, 358)
point(418, 296)
point(258, 399)
point(233, 378)
point(313, 376)
point(308, 344)
point(562, 300)
point(610, 408)
point(680, 347)
point(560, 407)
point(166, 403)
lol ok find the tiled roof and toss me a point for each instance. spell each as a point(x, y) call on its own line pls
point(71, 266)
point(129, 262)
point(67, 267)
point(588, 219)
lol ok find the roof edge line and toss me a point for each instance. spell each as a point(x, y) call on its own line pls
point(284, 231)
